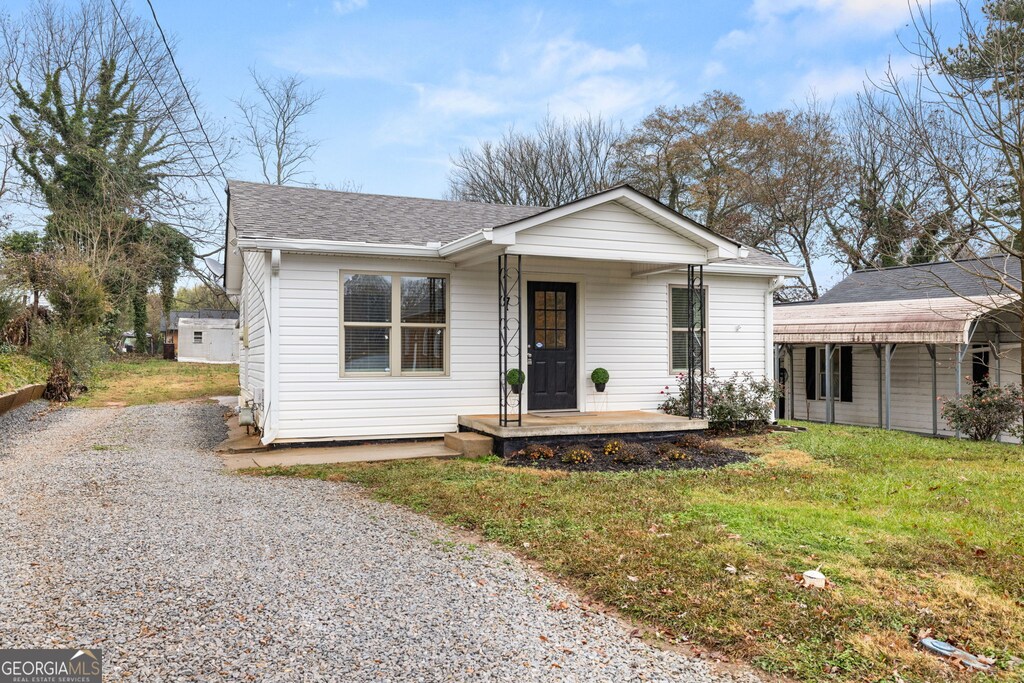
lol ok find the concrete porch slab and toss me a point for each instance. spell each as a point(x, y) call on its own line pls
point(330, 455)
point(588, 424)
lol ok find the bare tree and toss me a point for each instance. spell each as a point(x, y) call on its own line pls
point(697, 159)
point(272, 124)
point(795, 184)
point(562, 160)
point(964, 115)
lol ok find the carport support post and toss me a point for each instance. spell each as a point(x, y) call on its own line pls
point(888, 385)
point(935, 388)
point(792, 383)
point(961, 351)
point(829, 405)
point(878, 354)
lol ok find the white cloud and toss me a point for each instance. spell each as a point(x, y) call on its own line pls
point(839, 80)
point(712, 70)
point(561, 75)
point(878, 15)
point(347, 6)
point(792, 24)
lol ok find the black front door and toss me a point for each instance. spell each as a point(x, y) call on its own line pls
point(551, 372)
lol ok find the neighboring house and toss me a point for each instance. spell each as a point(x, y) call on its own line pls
point(169, 328)
point(888, 344)
point(207, 340)
point(377, 317)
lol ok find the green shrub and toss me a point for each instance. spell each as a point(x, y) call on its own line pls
point(71, 354)
point(983, 413)
point(577, 455)
point(741, 398)
point(599, 376)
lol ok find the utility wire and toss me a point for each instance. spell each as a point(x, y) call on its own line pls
point(220, 167)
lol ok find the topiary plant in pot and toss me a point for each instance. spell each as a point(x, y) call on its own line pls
point(600, 378)
point(515, 378)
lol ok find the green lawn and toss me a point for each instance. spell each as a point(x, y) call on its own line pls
point(916, 533)
point(154, 380)
point(17, 370)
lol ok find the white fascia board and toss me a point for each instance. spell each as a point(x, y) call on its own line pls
point(335, 247)
point(745, 269)
point(468, 242)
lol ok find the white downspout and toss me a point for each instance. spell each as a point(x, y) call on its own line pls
point(273, 357)
point(771, 368)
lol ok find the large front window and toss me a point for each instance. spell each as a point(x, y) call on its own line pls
point(394, 324)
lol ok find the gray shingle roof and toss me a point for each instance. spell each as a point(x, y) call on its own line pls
point(261, 210)
point(306, 213)
point(925, 281)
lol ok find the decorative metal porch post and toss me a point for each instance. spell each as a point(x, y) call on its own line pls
point(695, 323)
point(510, 307)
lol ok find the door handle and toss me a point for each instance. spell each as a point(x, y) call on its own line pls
point(529, 358)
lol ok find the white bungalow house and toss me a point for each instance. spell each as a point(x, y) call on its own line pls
point(369, 317)
point(885, 346)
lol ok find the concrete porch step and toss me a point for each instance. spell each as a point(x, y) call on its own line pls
point(470, 444)
point(329, 455)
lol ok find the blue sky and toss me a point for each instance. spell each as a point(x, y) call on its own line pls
point(407, 83)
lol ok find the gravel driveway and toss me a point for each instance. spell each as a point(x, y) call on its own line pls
point(120, 531)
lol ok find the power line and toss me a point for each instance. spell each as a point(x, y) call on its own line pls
point(220, 167)
point(188, 96)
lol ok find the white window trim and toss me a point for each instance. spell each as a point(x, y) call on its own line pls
point(200, 334)
point(671, 329)
point(396, 325)
point(837, 373)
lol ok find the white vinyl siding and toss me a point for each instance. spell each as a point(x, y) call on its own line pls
point(252, 305)
point(610, 229)
point(624, 327)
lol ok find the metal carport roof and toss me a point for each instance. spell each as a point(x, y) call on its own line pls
point(944, 320)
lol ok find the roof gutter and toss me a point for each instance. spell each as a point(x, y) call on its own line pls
point(333, 247)
point(468, 242)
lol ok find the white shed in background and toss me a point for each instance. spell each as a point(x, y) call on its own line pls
point(207, 340)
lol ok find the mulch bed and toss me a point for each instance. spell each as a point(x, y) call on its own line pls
point(691, 452)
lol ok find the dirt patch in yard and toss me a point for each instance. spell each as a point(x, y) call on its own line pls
point(621, 455)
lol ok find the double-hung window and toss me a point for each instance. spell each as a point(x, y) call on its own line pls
point(680, 331)
point(394, 324)
point(197, 337)
point(842, 373)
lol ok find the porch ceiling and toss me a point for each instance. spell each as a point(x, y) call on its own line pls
point(915, 321)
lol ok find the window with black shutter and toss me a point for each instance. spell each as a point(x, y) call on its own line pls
point(842, 373)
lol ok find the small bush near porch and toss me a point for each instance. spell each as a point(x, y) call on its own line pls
point(918, 535)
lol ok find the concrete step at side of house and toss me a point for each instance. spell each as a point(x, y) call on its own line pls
point(327, 455)
point(470, 444)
